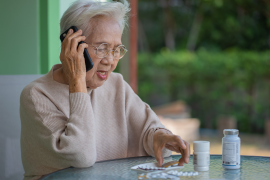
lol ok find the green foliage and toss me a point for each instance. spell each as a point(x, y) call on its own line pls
point(223, 24)
point(212, 84)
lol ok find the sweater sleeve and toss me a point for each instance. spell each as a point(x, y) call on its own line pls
point(142, 124)
point(50, 140)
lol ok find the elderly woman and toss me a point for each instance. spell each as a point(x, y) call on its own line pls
point(71, 117)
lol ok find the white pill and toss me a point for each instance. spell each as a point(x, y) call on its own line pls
point(184, 174)
point(154, 176)
point(195, 173)
point(180, 173)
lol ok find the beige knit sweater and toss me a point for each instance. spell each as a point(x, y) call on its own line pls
point(60, 130)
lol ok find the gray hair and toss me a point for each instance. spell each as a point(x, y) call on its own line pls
point(81, 12)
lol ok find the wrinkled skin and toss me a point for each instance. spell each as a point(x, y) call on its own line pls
point(105, 30)
point(165, 139)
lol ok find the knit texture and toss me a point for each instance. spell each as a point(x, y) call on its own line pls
point(61, 130)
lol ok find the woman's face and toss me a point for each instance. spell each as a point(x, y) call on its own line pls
point(105, 30)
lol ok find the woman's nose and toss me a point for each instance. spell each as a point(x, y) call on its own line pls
point(109, 58)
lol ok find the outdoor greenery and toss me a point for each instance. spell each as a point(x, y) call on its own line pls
point(211, 24)
point(213, 84)
point(213, 54)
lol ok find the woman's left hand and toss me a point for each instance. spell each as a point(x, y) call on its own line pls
point(163, 138)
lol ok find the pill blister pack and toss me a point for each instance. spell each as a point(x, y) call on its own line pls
point(150, 168)
point(172, 175)
point(180, 173)
point(153, 167)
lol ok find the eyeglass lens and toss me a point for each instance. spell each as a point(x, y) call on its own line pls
point(103, 50)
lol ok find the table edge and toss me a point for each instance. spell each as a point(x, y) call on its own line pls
point(146, 157)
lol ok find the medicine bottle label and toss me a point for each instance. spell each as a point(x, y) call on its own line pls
point(231, 153)
point(201, 159)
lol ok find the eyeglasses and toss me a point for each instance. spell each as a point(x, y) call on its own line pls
point(103, 50)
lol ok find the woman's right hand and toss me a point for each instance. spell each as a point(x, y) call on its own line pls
point(73, 62)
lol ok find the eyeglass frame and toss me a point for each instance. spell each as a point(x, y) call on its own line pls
point(109, 50)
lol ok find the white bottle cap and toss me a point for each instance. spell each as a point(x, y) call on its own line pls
point(230, 132)
point(200, 146)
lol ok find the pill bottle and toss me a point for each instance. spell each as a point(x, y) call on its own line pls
point(201, 155)
point(231, 149)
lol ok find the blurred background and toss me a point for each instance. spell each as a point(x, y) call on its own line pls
point(202, 65)
point(214, 57)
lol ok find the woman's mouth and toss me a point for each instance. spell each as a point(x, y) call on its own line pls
point(102, 74)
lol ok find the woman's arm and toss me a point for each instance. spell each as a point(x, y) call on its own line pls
point(51, 139)
point(73, 61)
point(142, 123)
point(145, 127)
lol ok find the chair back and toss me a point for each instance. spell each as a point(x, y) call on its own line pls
point(11, 87)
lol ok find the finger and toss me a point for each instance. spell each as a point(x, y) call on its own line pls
point(70, 32)
point(71, 35)
point(69, 38)
point(185, 155)
point(75, 41)
point(65, 39)
point(82, 47)
point(187, 152)
point(181, 161)
point(178, 140)
point(158, 156)
point(172, 148)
